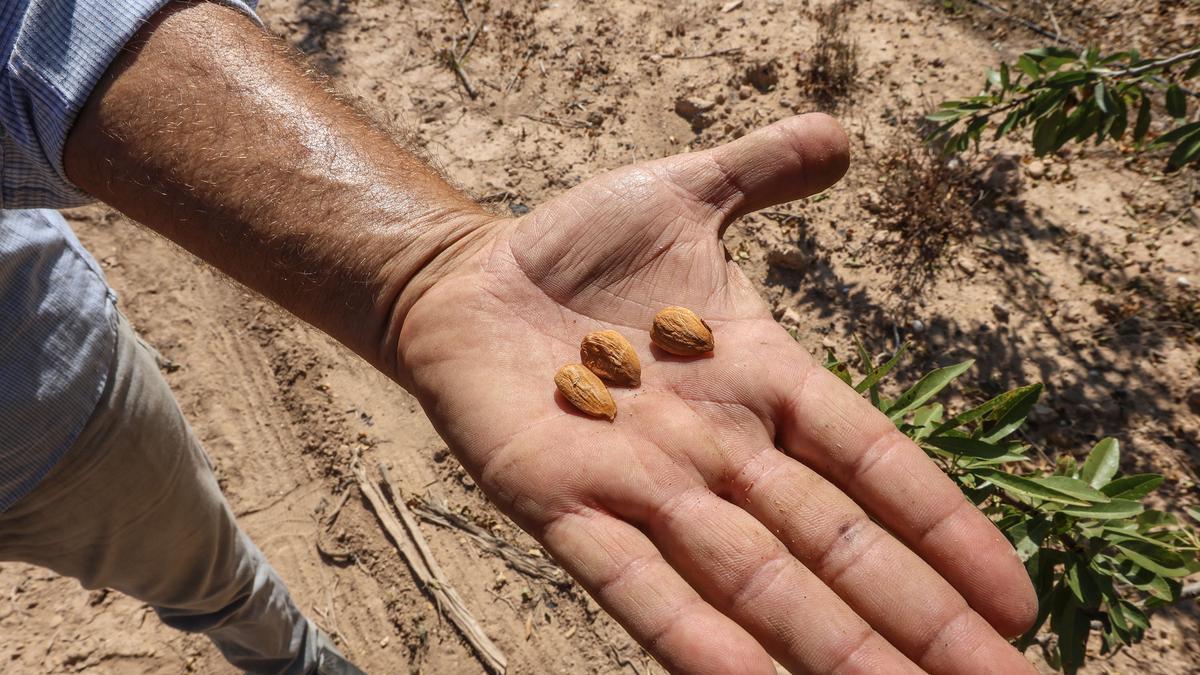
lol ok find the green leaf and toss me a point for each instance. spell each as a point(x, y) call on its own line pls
point(1134, 615)
point(1027, 488)
point(1099, 94)
point(943, 115)
point(924, 419)
point(841, 370)
point(1157, 586)
point(1079, 124)
point(1048, 100)
point(1081, 583)
point(1187, 150)
point(1133, 487)
point(1151, 519)
point(1138, 555)
point(880, 372)
point(975, 128)
point(1003, 409)
point(995, 461)
point(1011, 413)
point(1009, 122)
point(1072, 487)
point(1069, 78)
point(1193, 70)
point(1114, 509)
point(926, 388)
point(1128, 532)
point(1102, 128)
point(993, 79)
point(864, 357)
point(1161, 588)
point(1027, 535)
point(1176, 102)
point(1142, 125)
point(1102, 463)
point(1072, 628)
point(928, 415)
point(1053, 58)
point(1120, 117)
point(972, 447)
point(1046, 132)
point(1192, 511)
point(1117, 618)
point(1175, 135)
point(1117, 56)
point(1028, 66)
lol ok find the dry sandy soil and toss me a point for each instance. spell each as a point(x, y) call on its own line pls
point(1080, 271)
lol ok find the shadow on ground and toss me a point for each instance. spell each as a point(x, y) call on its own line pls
point(1099, 374)
point(317, 22)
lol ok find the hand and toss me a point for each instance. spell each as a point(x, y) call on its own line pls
point(740, 505)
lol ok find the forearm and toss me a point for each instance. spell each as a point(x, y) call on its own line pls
point(207, 131)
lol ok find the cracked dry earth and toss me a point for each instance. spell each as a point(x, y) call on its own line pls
point(1080, 271)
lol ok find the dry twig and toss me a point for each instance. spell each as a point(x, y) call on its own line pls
point(517, 75)
point(734, 51)
point(470, 41)
point(519, 560)
point(452, 60)
point(462, 7)
point(412, 547)
point(621, 660)
point(557, 123)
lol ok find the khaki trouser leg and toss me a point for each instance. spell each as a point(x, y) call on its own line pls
point(134, 506)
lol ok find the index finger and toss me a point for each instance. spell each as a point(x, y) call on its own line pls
point(834, 430)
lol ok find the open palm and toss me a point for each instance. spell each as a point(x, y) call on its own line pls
point(741, 504)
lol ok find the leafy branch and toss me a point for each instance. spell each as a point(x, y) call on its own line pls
point(1098, 558)
point(1066, 95)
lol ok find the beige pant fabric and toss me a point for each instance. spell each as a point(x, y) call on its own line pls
point(134, 506)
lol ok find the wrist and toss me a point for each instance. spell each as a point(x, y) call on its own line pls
point(440, 246)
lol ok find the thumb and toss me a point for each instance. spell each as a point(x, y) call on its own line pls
point(790, 159)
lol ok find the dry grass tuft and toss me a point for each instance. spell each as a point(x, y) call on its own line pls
point(924, 206)
point(830, 69)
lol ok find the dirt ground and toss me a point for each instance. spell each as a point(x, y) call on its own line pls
point(1080, 271)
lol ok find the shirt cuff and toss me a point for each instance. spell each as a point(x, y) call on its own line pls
point(60, 53)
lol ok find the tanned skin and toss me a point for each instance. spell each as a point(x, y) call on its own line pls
point(741, 505)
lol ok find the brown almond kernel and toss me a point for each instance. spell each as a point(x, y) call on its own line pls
point(611, 357)
point(679, 331)
point(585, 391)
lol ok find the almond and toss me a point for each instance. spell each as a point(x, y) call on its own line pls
point(585, 391)
point(610, 356)
point(680, 331)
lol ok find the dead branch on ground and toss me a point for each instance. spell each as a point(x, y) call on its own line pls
point(530, 566)
point(412, 547)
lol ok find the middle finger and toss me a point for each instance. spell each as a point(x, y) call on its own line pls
point(883, 581)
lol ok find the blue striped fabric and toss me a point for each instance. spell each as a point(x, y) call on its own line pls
point(57, 335)
point(57, 313)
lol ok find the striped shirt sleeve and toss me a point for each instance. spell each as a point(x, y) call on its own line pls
point(53, 53)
